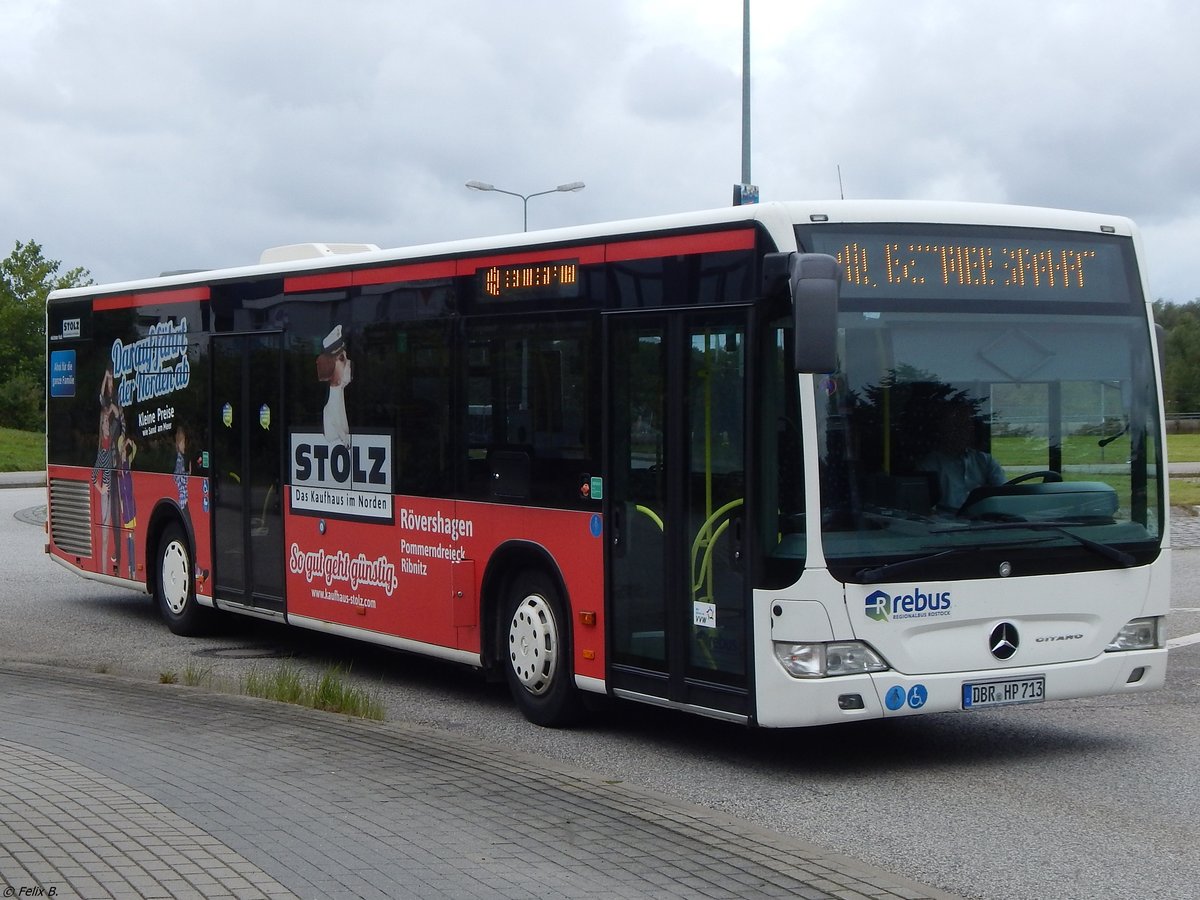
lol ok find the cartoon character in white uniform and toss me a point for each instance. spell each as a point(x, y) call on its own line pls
point(333, 366)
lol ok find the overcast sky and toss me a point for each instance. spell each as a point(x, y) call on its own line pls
point(148, 135)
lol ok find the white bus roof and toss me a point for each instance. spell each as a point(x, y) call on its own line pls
point(778, 216)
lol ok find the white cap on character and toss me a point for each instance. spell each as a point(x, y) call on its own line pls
point(333, 341)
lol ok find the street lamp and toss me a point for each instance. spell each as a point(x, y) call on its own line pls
point(570, 186)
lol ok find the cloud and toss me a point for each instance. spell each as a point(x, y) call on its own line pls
point(673, 84)
point(1052, 109)
point(148, 136)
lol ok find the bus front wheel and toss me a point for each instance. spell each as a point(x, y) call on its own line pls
point(174, 585)
point(537, 649)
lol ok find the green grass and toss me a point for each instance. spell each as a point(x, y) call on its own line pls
point(287, 683)
point(196, 676)
point(1185, 491)
point(22, 451)
point(328, 691)
point(1084, 449)
point(1077, 450)
point(1183, 447)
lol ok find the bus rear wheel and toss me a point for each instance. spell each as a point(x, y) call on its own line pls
point(175, 585)
point(537, 650)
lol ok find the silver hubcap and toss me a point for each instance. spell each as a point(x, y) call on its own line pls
point(175, 577)
point(533, 644)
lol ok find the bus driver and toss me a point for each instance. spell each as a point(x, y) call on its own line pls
point(957, 465)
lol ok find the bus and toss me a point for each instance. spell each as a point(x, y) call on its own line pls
point(693, 461)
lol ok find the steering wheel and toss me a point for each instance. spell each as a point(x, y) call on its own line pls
point(1044, 474)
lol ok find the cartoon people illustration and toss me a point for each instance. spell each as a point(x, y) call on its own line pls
point(108, 389)
point(333, 366)
point(126, 451)
point(183, 468)
point(111, 425)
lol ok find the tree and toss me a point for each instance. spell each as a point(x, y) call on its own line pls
point(1181, 363)
point(26, 279)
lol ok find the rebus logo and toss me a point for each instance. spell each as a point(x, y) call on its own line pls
point(881, 606)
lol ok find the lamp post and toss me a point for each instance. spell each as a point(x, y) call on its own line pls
point(746, 192)
point(746, 92)
point(569, 187)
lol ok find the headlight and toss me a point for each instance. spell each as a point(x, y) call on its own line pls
point(828, 660)
point(1140, 634)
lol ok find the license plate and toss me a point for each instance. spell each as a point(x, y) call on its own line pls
point(1004, 692)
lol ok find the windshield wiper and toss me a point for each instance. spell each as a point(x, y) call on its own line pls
point(880, 573)
point(1120, 557)
point(877, 574)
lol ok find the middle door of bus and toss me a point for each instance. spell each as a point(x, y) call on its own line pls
point(247, 459)
point(676, 494)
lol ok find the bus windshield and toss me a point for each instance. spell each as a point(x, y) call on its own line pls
point(969, 439)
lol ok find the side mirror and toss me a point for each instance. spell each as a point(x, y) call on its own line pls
point(814, 279)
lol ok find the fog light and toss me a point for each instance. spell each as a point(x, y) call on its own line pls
point(850, 701)
point(1136, 675)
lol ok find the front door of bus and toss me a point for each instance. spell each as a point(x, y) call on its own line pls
point(247, 456)
point(676, 503)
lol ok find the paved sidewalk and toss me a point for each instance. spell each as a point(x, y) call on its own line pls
point(116, 788)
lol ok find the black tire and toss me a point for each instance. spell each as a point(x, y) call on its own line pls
point(175, 585)
point(537, 652)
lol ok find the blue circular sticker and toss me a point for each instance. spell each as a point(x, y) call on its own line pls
point(894, 698)
point(917, 696)
point(596, 526)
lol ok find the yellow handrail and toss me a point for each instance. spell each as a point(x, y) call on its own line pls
point(705, 539)
point(653, 516)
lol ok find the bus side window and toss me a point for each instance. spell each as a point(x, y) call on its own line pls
point(532, 412)
point(509, 472)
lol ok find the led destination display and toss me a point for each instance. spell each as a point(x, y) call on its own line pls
point(1020, 266)
point(528, 281)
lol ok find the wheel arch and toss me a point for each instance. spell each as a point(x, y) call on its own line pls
point(165, 512)
point(505, 564)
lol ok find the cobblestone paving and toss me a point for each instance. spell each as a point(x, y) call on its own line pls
point(69, 829)
point(1185, 531)
point(113, 788)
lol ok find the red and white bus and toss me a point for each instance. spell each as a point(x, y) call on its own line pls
point(695, 461)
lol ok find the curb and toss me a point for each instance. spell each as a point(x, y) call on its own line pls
point(22, 479)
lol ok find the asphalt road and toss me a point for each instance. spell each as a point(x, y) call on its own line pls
point(1079, 799)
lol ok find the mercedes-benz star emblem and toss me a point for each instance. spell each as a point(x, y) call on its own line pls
point(1004, 640)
